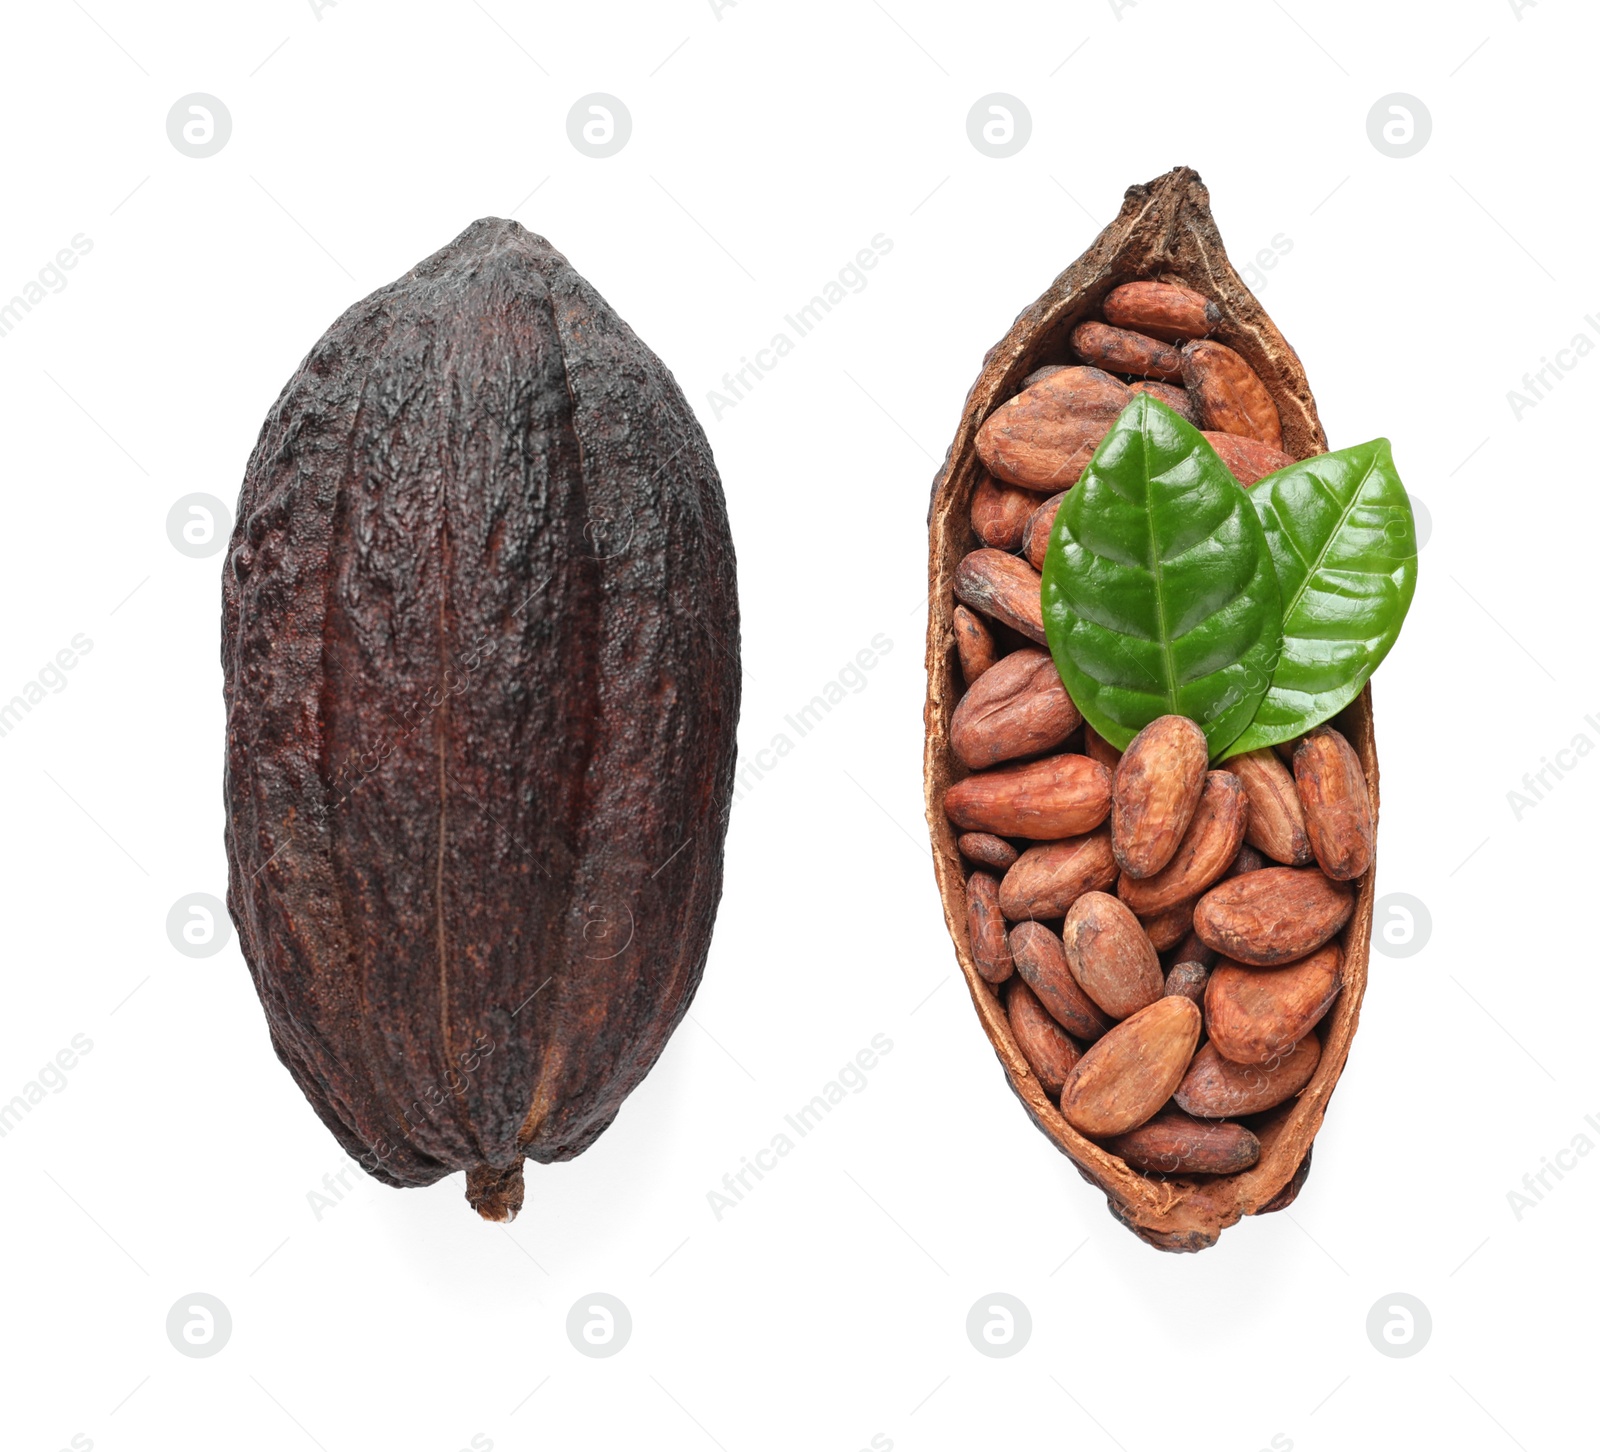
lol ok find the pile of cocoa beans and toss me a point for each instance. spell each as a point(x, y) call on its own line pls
point(1166, 937)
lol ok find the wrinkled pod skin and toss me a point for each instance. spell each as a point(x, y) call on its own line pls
point(481, 664)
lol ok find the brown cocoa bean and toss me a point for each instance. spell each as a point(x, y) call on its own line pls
point(1215, 833)
point(1004, 588)
point(1036, 534)
point(1040, 374)
point(1215, 1088)
point(1042, 438)
point(1126, 1077)
point(1047, 879)
point(974, 644)
point(1274, 916)
point(1168, 929)
point(987, 850)
point(1164, 310)
point(1277, 824)
point(1019, 708)
point(1119, 351)
point(1247, 859)
point(1061, 796)
point(1110, 956)
point(1175, 1143)
point(1042, 964)
point(986, 928)
point(1000, 513)
point(1187, 979)
point(1051, 1052)
point(1177, 399)
point(1096, 747)
point(1333, 791)
point(1155, 792)
point(1231, 398)
point(1248, 460)
point(1256, 1015)
point(1192, 950)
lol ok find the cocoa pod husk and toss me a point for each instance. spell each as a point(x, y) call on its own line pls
point(1209, 845)
point(1177, 399)
point(1274, 916)
point(474, 901)
point(1036, 534)
point(1216, 1088)
point(1338, 811)
point(1119, 351)
point(1231, 399)
point(1109, 955)
point(1127, 1076)
point(1277, 824)
point(1044, 437)
point(1004, 588)
point(987, 850)
point(1164, 231)
point(1154, 793)
point(1019, 708)
point(1041, 960)
point(1048, 878)
point(1052, 1053)
point(1256, 1015)
point(1000, 514)
point(1175, 1143)
point(1164, 309)
point(974, 643)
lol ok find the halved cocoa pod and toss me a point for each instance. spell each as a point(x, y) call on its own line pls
point(1175, 1143)
point(1216, 1088)
point(1061, 796)
point(986, 928)
point(1168, 929)
point(1164, 309)
point(1130, 1073)
point(1274, 916)
point(1215, 834)
point(1154, 793)
point(1256, 1015)
point(1231, 399)
point(1036, 535)
point(1049, 878)
point(1328, 781)
point(1188, 978)
point(1052, 1053)
point(1248, 460)
point(1164, 232)
point(987, 850)
point(1119, 351)
point(1004, 588)
point(1110, 956)
point(1041, 960)
point(1096, 747)
point(1000, 513)
point(1177, 399)
point(1043, 438)
point(1277, 823)
point(974, 644)
point(1019, 708)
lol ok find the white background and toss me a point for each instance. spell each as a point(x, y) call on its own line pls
point(769, 144)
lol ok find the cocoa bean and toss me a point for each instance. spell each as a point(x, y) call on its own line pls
point(987, 850)
point(1177, 399)
point(1110, 956)
point(986, 928)
point(1000, 513)
point(1047, 879)
point(1155, 792)
point(1019, 708)
point(1164, 310)
point(1215, 1088)
point(1192, 950)
point(1256, 1015)
point(1274, 916)
point(1119, 351)
point(1168, 929)
point(1333, 791)
point(1126, 1077)
point(1231, 398)
point(1036, 534)
point(1215, 833)
point(1097, 748)
point(974, 644)
point(1247, 859)
point(1004, 588)
point(1042, 964)
point(1043, 438)
point(1060, 796)
point(1175, 1143)
point(1248, 460)
point(1277, 824)
point(1051, 1052)
point(1187, 979)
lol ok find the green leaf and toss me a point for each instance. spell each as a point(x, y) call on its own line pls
point(1344, 543)
point(1159, 595)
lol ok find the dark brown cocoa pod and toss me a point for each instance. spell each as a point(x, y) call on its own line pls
point(1164, 236)
point(481, 664)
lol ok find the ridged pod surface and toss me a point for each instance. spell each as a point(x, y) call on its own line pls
point(481, 665)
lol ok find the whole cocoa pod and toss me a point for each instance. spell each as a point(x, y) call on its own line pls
point(480, 659)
